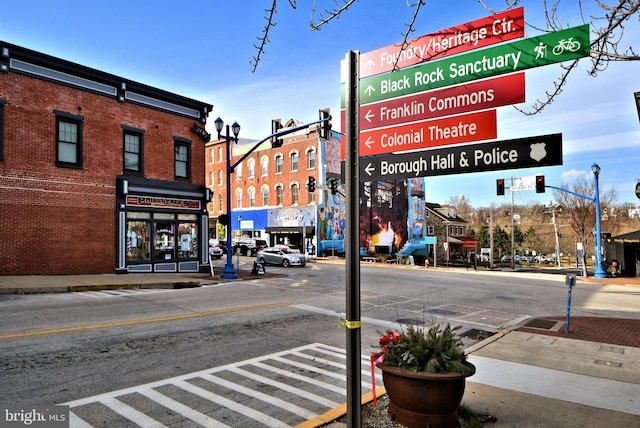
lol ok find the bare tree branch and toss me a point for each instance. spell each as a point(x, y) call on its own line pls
point(265, 36)
point(330, 14)
point(410, 29)
point(605, 48)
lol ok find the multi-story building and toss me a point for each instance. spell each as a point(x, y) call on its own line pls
point(98, 173)
point(269, 187)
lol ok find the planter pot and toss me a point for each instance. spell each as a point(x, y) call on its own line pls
point(424, 399)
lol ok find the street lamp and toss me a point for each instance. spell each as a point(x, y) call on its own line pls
point(600, 273)
point(229, 271)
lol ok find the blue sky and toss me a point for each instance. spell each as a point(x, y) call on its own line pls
point(202, 49)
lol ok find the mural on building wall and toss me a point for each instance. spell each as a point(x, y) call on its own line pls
point(383, 216)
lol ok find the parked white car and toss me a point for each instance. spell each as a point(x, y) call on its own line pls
point(276, 256)
point(214, 249)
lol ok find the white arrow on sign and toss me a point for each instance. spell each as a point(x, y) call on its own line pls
point(369, 168)
point(370, 64)
point(369, 142)
point(369, 90)
point(369, 115)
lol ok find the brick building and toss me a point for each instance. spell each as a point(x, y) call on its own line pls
point(98, 173)
point(270, 197)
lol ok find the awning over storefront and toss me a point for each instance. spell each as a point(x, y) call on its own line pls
point(469, 243)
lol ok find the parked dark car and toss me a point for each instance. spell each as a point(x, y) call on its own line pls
point(249, 246)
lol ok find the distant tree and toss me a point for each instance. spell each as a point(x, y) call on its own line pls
point(608, 28)
point(463, 207)
point(580, 213)
point(531, 240)
point(501, 241)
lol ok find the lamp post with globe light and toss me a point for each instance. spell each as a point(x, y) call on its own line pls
point(229, 271)
point(599, 273)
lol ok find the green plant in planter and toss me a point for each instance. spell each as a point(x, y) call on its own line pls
point(433, 350)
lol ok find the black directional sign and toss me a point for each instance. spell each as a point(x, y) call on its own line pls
point(543, 150)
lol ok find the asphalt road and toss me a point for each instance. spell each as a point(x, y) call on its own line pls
point(68, 347)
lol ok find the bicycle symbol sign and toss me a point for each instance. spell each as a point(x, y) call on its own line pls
point(568, 45)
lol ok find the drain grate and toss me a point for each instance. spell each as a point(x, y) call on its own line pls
point(544, 324)
point(477, 334)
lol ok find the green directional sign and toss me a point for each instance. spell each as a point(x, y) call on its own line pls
point(551, 48)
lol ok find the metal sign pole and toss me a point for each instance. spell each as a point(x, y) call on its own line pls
point(352, 243)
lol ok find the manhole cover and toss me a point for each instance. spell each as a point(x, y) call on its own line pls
point(544, 324)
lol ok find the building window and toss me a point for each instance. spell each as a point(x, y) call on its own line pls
point(265, 196)
point(2, 103)
point(251, 167)
point(279, 195)
point(133, 153)
point(220, 203)
point(430, 230)
point(252, 197)
point(182, 150)
point(68, 140)
point(239, 198)
point(312, 197)
point(264, 163)
point(212, 179)
point(294, 194)
point(311, 159)
point(219, 154)
point(279, 164)
point(211, 156)
point(294, 161)
point(238, 171)
point(220, 182)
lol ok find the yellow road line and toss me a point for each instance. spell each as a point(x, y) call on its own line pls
point(124, 323)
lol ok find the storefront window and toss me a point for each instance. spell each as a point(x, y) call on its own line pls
point(138, 240)
point(188, 236)
point(164, 243)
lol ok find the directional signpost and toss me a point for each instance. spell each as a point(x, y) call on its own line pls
point(551, 48)
point(544, 150)
point(484, 94)
point(483, 32)
point(408, 110)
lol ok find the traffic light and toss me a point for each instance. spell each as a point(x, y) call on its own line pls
point(276, 125)
point(500, 186)
point(539, 183)
point(606, 236)
point(325, 127)
point(333, 185)
point(311, 184)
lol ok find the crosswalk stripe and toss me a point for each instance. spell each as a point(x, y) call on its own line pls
point(292, 370)
point(236, 407)
point(261, 396)
point(130, 413)
point(178, 407)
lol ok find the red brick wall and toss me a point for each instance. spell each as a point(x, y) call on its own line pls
point(59, 220)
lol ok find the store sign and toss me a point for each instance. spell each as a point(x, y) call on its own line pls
point(157, 202)
point(202, 133)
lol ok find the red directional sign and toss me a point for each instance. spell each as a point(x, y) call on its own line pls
point(479, 95)
point(430, 133)
point(483, 32)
